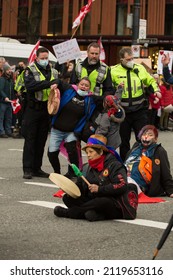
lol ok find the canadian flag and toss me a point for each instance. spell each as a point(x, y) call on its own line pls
point(33, 53)
point(83, 11)
point(102, 51)
point(15, 106)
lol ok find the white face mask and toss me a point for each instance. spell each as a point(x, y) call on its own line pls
point(130, 64)
point(82, 92)
point(43, 62)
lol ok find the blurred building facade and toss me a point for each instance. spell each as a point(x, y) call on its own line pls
point(107, 18)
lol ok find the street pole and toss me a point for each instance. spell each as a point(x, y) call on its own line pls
point(136, 18)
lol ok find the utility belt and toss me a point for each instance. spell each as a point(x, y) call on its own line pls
point(37, 105)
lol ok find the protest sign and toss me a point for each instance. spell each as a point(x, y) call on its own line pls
point(66, 51)
point(160, 65)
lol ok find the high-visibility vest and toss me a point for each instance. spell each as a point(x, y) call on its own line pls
point(96, 77)
point(20, 84)
point(133, 80)
point(42, 95)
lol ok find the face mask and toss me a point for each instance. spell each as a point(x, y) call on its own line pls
point(82, 92)
point(130, 64)
point(43, 62)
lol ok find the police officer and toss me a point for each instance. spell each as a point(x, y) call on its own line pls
point(132, 77)
point(38, 78)
point(97, 72)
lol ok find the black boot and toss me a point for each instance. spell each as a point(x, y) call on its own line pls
point(54, 160)
point(72, 151)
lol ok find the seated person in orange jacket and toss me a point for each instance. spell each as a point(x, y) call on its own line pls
point(148, 165)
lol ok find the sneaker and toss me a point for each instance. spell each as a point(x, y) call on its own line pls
point(3, 136)
point(17, 136)
point(40, 173)
point(27, 175)
point(61, 212)
point(92, 216)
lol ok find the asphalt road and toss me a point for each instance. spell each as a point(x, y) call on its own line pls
point(30, 231)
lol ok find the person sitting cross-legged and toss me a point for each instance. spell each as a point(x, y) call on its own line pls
point(108, 195)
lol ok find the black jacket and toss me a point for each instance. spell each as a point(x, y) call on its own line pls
point(162, 181)
point(112, 181)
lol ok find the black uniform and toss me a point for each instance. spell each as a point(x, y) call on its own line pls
point(36, 120)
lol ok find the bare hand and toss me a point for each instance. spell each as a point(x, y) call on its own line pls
point(165, 59)
point(171, 195)
point(93, 188)
point(54, 86)
point(158, 94)
point(7, 99)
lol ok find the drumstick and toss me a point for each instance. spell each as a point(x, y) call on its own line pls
point(79, 173)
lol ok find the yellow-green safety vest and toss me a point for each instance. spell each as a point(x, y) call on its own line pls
point(96, 77)
point(42, 95)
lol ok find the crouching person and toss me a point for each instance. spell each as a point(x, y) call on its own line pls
point(108, 196)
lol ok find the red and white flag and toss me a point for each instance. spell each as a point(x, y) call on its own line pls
point(83, 11)
point(15, 106)
point(102, 51)
point(33, 53)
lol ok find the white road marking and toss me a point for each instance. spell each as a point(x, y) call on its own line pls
point(140, 222)
point(41, 184)
point(146, 223)
point(1, 194)
point(1, 178)
point(19, 150)
point(43, 203)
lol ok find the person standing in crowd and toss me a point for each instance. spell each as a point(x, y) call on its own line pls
point(167, 99)
point(108, 195)
point(6, 96)
point(165, 60)
point(108, 122)
point(97, 72)
point(148, 165)
point(132, 76)
point(38, 78)
point(154, 110)
point(2, 62)
point(76, 105)
point(20, 90)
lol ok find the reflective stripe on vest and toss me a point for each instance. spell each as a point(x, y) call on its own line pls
point(42, 95)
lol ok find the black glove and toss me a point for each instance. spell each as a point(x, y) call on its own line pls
point(55, 81)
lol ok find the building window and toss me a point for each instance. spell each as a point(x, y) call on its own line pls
point(55, 17)
point(0, 16)
point(168, 17)
point(22, 17)
point(70, 17)
point(121, 16)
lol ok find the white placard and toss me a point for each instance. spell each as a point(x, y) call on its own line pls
point(142, 28)
point(160, 65)
point(136, 50)
point(66, 51)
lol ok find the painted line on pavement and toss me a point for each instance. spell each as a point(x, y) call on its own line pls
point(19, 150)
point(1, 194)
point(42, 184)
point(46, 204)
point(140, 222)
point(2, 178)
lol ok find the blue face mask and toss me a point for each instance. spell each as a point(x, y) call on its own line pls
point(43, 62)
point(82, 92)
